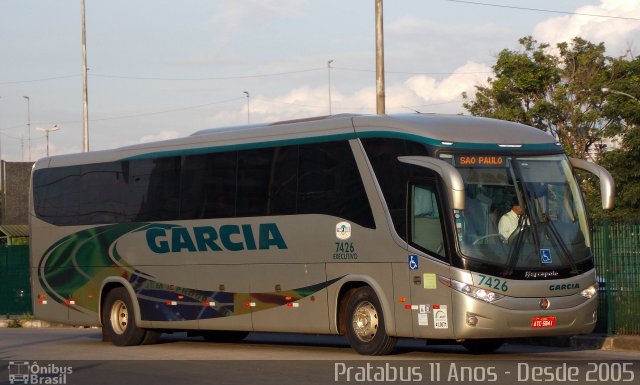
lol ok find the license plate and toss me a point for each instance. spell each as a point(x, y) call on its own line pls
point(543, 322)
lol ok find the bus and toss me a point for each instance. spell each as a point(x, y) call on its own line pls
point(371, 227)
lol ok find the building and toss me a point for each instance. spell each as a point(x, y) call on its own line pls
point(14, 184)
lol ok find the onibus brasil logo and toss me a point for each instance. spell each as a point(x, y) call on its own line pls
point(32, 373)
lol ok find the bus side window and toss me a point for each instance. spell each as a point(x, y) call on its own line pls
point(426, 226)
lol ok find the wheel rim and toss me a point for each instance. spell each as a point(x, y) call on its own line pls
point(119, 317)
point(365, 321)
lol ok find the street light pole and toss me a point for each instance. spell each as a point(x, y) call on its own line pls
point(380, 94)
point(85, 92)
point(28, 125)
point(47, 130)
point(329, 82)
point(248, 109)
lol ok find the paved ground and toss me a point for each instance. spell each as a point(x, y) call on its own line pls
point(287, 358)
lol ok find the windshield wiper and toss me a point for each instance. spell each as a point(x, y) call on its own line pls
point(517, 244)
point(556, 235)
point(523, 223)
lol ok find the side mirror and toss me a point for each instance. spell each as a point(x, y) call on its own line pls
point(607, 185)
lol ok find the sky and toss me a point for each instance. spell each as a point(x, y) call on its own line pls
point(161, 69)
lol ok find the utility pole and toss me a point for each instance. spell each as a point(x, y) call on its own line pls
point(85, 92)
point(380, 96)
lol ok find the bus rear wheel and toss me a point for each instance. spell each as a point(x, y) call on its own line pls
point(365, 324)
point(118, 318)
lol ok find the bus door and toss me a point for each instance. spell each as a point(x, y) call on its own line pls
point(428, 262)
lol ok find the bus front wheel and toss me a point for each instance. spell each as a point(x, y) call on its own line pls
point(365, 324)
point(118, 318)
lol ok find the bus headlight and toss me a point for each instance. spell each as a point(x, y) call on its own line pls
point(589, 292)
point(475, 292)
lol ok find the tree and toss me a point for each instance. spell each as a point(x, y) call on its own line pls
point(560, 90)
point(623, 110)
point(559, 93)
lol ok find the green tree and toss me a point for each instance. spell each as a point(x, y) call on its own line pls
point(560, 90)
point(623, 110)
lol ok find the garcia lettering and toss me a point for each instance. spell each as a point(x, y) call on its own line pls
point(207, 238)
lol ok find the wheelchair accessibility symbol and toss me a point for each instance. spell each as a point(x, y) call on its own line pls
point(545, 256)
point(413, 262)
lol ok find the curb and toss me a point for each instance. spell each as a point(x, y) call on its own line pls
point(30, 324)
point(587, 342)
point(604, 342)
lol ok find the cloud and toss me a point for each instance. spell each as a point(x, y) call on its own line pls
point(463, 79)
point(410, 26)
point(617, 34)
point(419, 92)
point(162, 135)
point(238, 15)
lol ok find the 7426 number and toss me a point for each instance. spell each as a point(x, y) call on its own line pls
point(493, 283)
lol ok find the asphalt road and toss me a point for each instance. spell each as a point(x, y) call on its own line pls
point(265, 358)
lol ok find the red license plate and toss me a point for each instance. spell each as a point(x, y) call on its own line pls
point(543, 322)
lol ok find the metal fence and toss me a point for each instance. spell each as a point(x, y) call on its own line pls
point(15, 288)
point(617, 258)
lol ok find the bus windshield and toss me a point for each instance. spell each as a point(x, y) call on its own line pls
point(522, 213)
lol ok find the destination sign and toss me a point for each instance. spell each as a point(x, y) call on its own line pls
point(481, 161)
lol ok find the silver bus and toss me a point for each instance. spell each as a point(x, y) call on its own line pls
point(371, 227)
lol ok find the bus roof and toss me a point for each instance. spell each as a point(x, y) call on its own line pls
point(453, 131)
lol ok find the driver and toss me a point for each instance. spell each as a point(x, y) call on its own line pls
point(509, 221)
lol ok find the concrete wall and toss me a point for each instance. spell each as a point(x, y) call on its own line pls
point(14, 182)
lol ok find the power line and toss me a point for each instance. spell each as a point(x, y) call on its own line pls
point(234, 77)
point(129, 77)
point(39, 80)
point(168, 111)
point(208, 78)
point(543, 10)
point(128, 116)
point(414, 73)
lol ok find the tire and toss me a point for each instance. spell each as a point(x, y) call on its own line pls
point(224, 335)
point(366, 331)
point(150, 337)
point(118, 318)
point(483, 346)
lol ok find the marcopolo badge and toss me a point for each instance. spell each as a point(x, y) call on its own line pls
point(343, 230)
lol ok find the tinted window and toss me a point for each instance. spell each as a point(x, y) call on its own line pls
point(209, 186)
point(426, 226)
point(393, 175)
point(153, 189)
point(90, 193)
point(254, 176)
point(283, 181)
point(330, 183)
point(309, 179)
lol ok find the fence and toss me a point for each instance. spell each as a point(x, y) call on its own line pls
point(617, 258)
point(15, 288)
